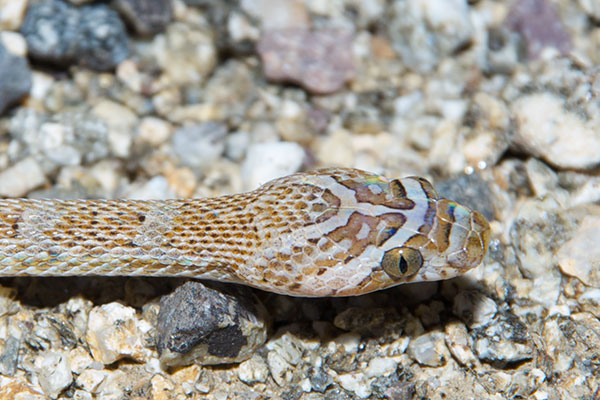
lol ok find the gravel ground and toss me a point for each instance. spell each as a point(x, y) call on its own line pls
point(496, 102)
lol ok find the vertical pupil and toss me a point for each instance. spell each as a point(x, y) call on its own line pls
point(403, 265)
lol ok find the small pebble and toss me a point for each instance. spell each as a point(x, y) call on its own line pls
point(16, 78)
point(11, 14)
point(54, 373)
point(199, 145)
point(147, 17)
point(540, 26)
point(580, 256)
point(253, 370)
point(93, 36)
point(425, 31)
point(546, 129)
point(267, 161)
point(21, 178)
point(429, 349)
point(320, 61)
point(115, 332)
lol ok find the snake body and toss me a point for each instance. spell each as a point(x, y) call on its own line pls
point(332, 232)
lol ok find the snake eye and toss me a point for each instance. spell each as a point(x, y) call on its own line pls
point(401, 262)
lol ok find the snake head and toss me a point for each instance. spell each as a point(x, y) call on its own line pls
point(346, 232)
point(450, 239)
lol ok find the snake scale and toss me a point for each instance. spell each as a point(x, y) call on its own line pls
point(331, 232)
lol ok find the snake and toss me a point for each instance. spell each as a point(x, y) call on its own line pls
point(328, 232)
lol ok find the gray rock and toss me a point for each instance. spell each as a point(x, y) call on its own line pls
point(199, 145)
point(429, 349)
point(210, 325)
point(16, 78)
point(147, 17)
point(471, 191)
point(425, 31)
point(9, 352)
point(93, 36)
point(505, 341)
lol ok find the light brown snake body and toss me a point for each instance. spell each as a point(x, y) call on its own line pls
point(332, 232)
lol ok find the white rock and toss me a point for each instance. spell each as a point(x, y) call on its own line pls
point(275, 14)
point(267, 161)
point(153, 131)
point(350, 341)
point(184, 54)
point(21, 178)
point(11, 14)
point(15, 43)
point(121, 122)
point(580, 256)
point(429, 349)
point(199, 145)
point(253, 370)
point(380, 366)
point(53, 372)
point(156, 188)
point(91, 379)
point(591, 7)
point(355, 382)
point(546, 129)
point(236, 145)
point(458, 342)
point(115, 332)
point(80, 359)
point(54, 136)
point(281, 370)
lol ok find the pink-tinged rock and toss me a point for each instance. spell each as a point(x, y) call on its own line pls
point(540, 27)
point(319, 61)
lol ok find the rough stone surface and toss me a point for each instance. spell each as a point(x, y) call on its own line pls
point(546, 129)
point(147, 17)
point(424, 31)
point(208, 326)
point(92, 36)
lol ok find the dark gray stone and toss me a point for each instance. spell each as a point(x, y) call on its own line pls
point(209, 325)
point(146, 17)
point(93, 36)
point(470, 191)
point(16, 78)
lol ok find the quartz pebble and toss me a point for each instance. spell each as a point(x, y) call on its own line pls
point(115, 332)
point(11, 14)
point(580, 256)
point(54, 373)
point(267, 161)
point(546, 129)
point(429, 349)
point(21, 178)
point(199, 145)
